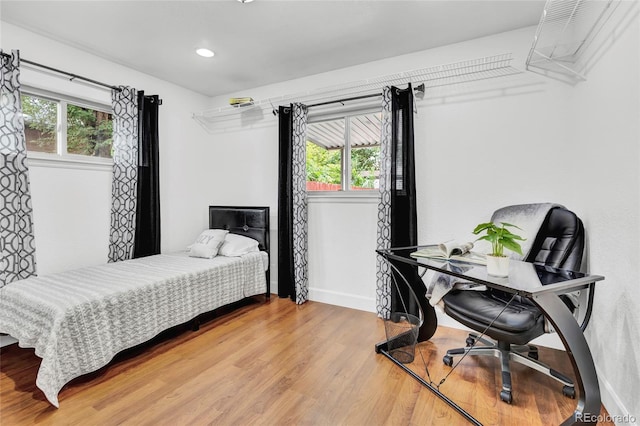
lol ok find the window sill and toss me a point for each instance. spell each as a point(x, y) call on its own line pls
point(69, 162)
point(368, 197)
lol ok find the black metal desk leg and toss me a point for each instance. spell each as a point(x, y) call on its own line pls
point(430, 324)
point(588, 390)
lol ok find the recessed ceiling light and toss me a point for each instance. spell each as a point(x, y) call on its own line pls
point(205, 52)
point(245, 1)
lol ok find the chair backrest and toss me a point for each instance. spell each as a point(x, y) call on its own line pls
point(560, 241)
point(560, 244)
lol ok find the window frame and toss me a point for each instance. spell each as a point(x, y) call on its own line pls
point(345, 193)
point(61, 158)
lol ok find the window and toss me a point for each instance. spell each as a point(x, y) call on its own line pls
point(66, 127)
point(343, 153)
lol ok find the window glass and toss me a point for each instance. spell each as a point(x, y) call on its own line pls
point(365, 150)
point(55, 124)
point(344, 150)
point(88, 132)
point(365, 168)
point(40, 123)
point(325, 145)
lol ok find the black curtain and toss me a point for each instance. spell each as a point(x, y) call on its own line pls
point(286, 282)
point(404, 223)
point(147, 234)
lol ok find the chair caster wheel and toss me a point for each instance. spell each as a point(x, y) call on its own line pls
point(569, 391)
point(448, 360)
point(506, 396)
point(470, 341)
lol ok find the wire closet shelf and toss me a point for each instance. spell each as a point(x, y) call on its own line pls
point(565, 32)
point(441, 75)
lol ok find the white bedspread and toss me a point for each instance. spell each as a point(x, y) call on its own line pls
point(77, 321)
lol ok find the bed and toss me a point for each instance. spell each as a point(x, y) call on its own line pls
point(77, 321)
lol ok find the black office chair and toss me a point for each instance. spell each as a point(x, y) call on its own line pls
point(559, 243)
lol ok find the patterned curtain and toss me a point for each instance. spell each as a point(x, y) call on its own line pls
point(292, 205)
point(125, 174)
point(299, 180)
point(397, 213)
point(16, 223)
point(16, 215)
point(383, 274)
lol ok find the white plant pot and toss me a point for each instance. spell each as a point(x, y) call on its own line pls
point(498, 266)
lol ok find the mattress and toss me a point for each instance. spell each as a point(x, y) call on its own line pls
point(78, 320)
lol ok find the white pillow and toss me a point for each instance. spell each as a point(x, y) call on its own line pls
point(208, 243)
point(202, 250)
point(237, 245)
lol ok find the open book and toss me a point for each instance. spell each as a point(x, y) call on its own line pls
point(451, 250)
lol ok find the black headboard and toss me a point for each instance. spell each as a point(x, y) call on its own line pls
point(251, 222)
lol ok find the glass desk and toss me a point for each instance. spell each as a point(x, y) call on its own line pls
point(542, 285)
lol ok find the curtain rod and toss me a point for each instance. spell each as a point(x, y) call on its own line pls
point(355, 98)
point(73, 76)
point(419, 88)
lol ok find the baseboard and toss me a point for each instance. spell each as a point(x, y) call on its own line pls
point(345, 300)
point(446, 321)
point(618, 413)
point(7, 340)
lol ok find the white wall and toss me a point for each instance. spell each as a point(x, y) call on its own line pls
point(71, 216)
point(71, 204)
point(605, 141)
point(342, 264)
point(576, 145)
point(540, 139)
point(494, 114)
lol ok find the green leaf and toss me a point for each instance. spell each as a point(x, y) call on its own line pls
point(500, 237)
point(512, 245)
point(481, 227)
point(509, 235)
point(508, 224)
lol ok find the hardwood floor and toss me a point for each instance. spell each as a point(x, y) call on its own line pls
point(276, 363)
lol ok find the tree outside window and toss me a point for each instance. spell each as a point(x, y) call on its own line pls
point(40, 123)
point(346, 149)
point(87, 131)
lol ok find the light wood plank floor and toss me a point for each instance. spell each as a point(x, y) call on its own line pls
point(276, 363)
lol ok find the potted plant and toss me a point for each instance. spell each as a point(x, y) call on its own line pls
point(500, 238)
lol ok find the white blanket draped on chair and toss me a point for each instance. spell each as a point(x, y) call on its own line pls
point(528, 217)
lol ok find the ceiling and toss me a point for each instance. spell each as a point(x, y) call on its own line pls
point(263, 42)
